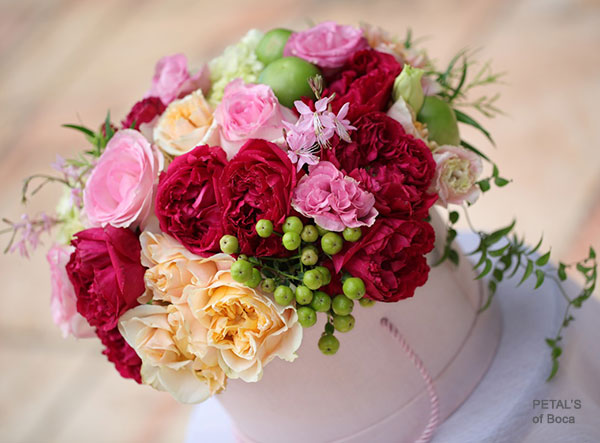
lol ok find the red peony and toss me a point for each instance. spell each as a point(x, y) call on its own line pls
point(123, 356)
point(108, 278)
point(143, 111)
point(257, 183)
point(390, 258)
point(365, 82)
point(187, 202)
point(396, 167)
point(106, 273)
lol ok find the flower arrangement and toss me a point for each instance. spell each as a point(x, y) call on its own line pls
point(291, 177)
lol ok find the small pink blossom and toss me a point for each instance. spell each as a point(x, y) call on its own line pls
point(457, 170)
point(250, 111)
point(63, 302)
point(173, 80)
point(314, 129)
point(27, 233)
point(333, 200)
point(327, 45)
point(120, 189)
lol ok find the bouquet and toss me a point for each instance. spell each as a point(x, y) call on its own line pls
point(289, 178)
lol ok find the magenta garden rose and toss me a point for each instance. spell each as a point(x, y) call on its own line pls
point(173, 80)
point(333, 200)
point(327, 45)
point(250, 111)
point(257, 184)
point(390, 258)
point(120, 189)
point(187, 204)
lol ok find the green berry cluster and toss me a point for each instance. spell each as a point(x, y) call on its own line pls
point(298, 279)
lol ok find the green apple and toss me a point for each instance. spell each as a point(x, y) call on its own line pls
point(288, 78)
point(270, 47)
point(440, 120)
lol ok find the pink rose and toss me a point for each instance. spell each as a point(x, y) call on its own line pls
point(173, 80)
point(249, 111)
point(327, 45)
point(120, 188)
point(456, 173)
point(333, 200)
point(63, 302)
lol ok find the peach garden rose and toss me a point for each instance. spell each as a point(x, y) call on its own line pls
point(203, 324)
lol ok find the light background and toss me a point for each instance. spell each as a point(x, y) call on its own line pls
point(69, 61)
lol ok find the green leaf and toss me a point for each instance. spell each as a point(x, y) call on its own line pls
point(498, 274)
point(516, 268)
point(461, 82)
point(554, 370)
point(464, 118)
point(495, 171)
point(543, 260)
point(528, 271)
point(484, 185)
point(592, 253)
point(451, 235)
point(453, 256)
point(500, 182)
point(551, 342)
point(536, 247)
point(562, 274)
point(83, 129)
point(540, 275)
point(486, 270)
point(495, 236)
point(499, 252)
point(453, 216)
point(472, 148)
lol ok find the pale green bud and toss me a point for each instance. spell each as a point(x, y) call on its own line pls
point(408, 86)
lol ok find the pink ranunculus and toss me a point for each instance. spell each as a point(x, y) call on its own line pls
point(327, 45)
point(249, 111)
point(456, 175)
point(120, 188)
point(173, 80)
point(63, 302)
point(333, 200)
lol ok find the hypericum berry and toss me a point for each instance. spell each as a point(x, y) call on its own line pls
point(309, 234)
point(306, 316)
point(342, 305)
point(343, 323)
point(309, 256)
point(325, 274)
point(291, 241)
point(321, 231)
point(313, 279)
point(352, 234)
point(366, 302)
point(328, 344)
point(264, 228)
point(332, 243)
point(241, 270)
point(321, 302)
point(283, 295)
point(243, 257)
point(229, 244)
point(268, 285)
point(354, 288)
point(303, 295)
point(293, 224)
point(254, 279)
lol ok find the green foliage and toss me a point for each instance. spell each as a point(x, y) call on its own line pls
point(98, 139)
point(511, 255)
point(449, 252)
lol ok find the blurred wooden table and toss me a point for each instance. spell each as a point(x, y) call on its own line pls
point(69, 61)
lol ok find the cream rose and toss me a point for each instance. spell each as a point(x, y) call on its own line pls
point(174, 352)
point(185, 124)
point(171, 267)
point(247, 328)
point(207, 314)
